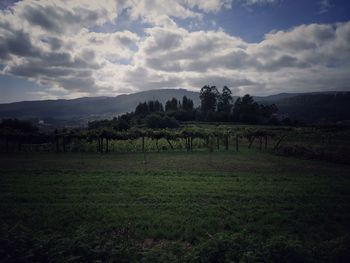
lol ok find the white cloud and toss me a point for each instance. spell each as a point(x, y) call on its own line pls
point(159, 12)
point(280, 62)
point(55, 44)
point(209, 5)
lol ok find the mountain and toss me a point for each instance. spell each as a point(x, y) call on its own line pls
point(94, 106)
point(307, 107)
point(275, 98)
point(316, 107)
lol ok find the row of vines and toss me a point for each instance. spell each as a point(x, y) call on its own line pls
point(140, 140)
point(330, 143)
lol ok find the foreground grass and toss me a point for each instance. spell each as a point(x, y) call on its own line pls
point(173, 207)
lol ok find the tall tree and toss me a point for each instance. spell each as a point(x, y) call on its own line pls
point(246, 109)
point(208, 96)
point(142, 108)
point(171, 105)
point(187, 104)
point(267, 110)
point(158, 106)
point(225, 100)
point(151, 106)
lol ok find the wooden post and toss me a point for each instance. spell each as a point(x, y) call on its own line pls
point(98, 144)
point(157, 145)
point(143, 143)
point(237, 143)
point(57, 144)
point(171, 146)
point(260, 143)
point(226, 142)
point(191, 145)
point(279, 142)
point(107, 145)
point(7, 144)
point(251, 142)
point(19, 144)
point(265, 142)
point(64, 144)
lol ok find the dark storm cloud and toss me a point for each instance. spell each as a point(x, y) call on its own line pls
point(45, 17)
point(17, 43)
point(34, 69)
point(53, 18)
point(61, 68)
point(75, 83)
point(54, 42)
point(284, 61)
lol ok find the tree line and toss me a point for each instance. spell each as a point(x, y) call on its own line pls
point(214, 106)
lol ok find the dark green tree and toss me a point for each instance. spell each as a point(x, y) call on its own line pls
point(158, 106)
point(187, 104)
point(267, 110)
point(225, 100)
point(171, 105)
point(22, 126)
point(246, 109)
point(142, 108)
point(151, 106)
point(208, 96)
point(155, 120)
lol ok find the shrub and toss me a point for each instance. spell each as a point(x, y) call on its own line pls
point(158, 121)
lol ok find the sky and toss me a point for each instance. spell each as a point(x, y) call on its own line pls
point(53, 49)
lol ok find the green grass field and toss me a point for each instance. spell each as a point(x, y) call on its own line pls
point(249, 206)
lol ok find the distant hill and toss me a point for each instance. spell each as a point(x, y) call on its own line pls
point(274, 98)
point(94, 106)
point(307, 107)
point(316, 107)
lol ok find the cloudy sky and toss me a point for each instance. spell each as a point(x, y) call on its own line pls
point(73, 48)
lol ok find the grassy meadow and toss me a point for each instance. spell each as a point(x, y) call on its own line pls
point(226, 206)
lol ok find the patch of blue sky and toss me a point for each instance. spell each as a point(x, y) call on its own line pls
point(251, 23)
point(15, 89)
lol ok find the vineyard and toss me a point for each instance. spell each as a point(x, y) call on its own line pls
point(320, 142)
point(199, 193)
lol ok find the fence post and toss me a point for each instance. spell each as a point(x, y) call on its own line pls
point(237, 143)
point(260, 143)
point(143, 143)
point(251, 140)
point(7, 144)
point(279, 141)
point(64, 144)
point(57, 144)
